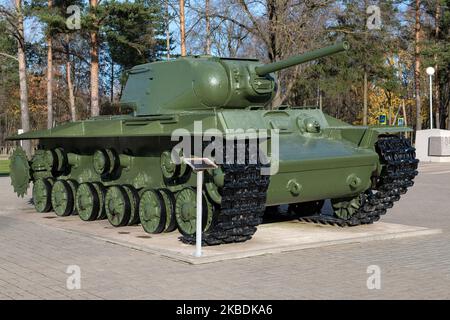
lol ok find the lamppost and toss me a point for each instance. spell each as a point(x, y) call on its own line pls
point(430, 71)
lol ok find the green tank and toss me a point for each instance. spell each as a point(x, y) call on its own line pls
point(286, 160)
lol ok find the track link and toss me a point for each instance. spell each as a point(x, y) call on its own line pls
point(399, 170)
point(242, 206)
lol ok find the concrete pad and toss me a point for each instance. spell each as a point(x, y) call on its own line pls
point(270, 238)
point(434, 168)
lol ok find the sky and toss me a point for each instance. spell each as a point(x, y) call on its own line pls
point(34, 29)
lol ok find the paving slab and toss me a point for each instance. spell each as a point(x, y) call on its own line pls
point(34, 257)
point(269, 239)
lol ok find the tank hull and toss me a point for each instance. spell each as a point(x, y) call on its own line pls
point(131, 169)
point(123, 165)
point(321, 162)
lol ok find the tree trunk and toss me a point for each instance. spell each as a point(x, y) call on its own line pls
point(182, 29)
point(277, 99)
point(121, 89)
point(95, 109)
point(390, 109)
point(404, 113)
point(49, 75)
point(4, 127)
point(23, 87)
point(272, 13)
point(73, 111)
point(208, 28)
point(320, 100)
point(437, 98)
point(112, 83)
point(365, 93)
point(49, 83)
point(167, 30)
point(417, 68)
point(272, 47)
point(447, 105)
point(365, 99)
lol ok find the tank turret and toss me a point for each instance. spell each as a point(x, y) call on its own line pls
point(202, 82)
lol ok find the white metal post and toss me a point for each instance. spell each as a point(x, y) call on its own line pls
point(431, 101)
point(199, 165)
point(198, 234)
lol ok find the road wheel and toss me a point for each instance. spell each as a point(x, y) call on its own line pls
point(186, 212)
point(62, 198)
point(42, 189)
point(133, 195)
point(169, 202)
point(87, 202)
point(152, 211)
point(101, 192)
point(118, 206)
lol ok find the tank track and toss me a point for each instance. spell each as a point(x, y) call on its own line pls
point(399, 170)
point(242, 206)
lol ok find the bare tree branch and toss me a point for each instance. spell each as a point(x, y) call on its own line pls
point(262, 35)
point(8, 56)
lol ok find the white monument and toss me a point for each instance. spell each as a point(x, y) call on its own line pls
point(433, 145)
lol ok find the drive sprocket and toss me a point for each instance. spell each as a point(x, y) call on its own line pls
point(19, 171)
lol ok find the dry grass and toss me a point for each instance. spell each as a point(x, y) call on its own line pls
point(4, 167)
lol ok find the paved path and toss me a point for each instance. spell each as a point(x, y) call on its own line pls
point(34, 259)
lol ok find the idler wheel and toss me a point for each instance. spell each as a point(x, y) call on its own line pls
point(87, 202)
point(152, 211)
point(101, 191)
point(133, 195)
point(118, 206)
point(42, 190)
point(169, 202)
point(186, 212)
point(62, 198)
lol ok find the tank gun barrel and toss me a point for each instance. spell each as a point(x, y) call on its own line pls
point(305, 57)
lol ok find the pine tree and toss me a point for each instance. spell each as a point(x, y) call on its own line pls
point(9, 82)
point(343, 77)
point(134, 32)
point(54, 17)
